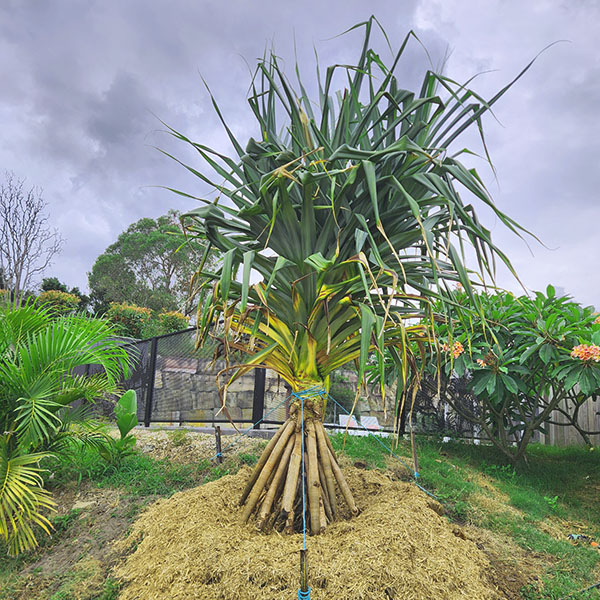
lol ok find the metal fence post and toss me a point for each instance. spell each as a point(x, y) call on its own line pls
point(258, 402)
point(151, 377)
point(401, 419)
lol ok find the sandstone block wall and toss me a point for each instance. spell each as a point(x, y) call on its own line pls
point(185, 390)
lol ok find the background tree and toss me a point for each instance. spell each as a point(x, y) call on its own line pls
point(349, 211)
point(53, 283)
point(27, 243)
point(150, 265)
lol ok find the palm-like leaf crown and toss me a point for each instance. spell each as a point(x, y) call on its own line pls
point(350, 214)
point(38, 356)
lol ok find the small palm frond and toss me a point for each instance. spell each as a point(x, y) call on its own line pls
point(73, 341)
point(90, 387)
point(23, 500)
point(79, 428)
point(77, 437)
point(19, 322)
point(36, 420)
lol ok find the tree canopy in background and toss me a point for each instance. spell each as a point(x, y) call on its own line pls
point(150, 265)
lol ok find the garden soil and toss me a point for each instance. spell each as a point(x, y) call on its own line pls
point(193, 545)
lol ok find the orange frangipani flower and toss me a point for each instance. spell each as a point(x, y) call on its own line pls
point(586, 352)
point(457, 349)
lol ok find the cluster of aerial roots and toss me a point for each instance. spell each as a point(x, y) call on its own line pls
point(274, 492)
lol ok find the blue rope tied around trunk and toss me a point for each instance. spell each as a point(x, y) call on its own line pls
point(308, 393)
point(303, 485)
point(304, 595)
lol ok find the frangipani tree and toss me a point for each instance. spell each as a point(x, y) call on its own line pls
point(530, 359)
point(349, 212)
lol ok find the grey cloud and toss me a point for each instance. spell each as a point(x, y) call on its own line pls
point(116, 116)
point(89, 81)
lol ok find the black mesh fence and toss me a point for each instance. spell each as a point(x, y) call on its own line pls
point(138, 380)
point(184, 387)
point(177, 384)
point(431, 415)
point(141, 375)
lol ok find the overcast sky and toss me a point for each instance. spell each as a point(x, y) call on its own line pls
point(86, 83)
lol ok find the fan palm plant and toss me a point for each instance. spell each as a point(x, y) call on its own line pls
point(38, 355)
point(350, 218)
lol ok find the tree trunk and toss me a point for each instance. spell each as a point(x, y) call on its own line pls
point(275, 494)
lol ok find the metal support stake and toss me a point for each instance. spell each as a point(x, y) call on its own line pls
point(414, 450)
point(303, 574)
point(401, 415)
point(218, 442)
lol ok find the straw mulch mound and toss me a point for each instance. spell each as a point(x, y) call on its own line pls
point(194, 546)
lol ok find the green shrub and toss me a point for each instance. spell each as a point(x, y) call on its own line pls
point(173, 321)
point(113, 451)
point(131, 320)
point(59, 302)
point(178, 437)
point(141, 322)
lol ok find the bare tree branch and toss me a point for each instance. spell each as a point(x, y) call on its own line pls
point(27, 243)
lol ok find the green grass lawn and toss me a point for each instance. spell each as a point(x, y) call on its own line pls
point(531, 509)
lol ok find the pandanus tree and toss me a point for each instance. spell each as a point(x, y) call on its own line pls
point(337, 228)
